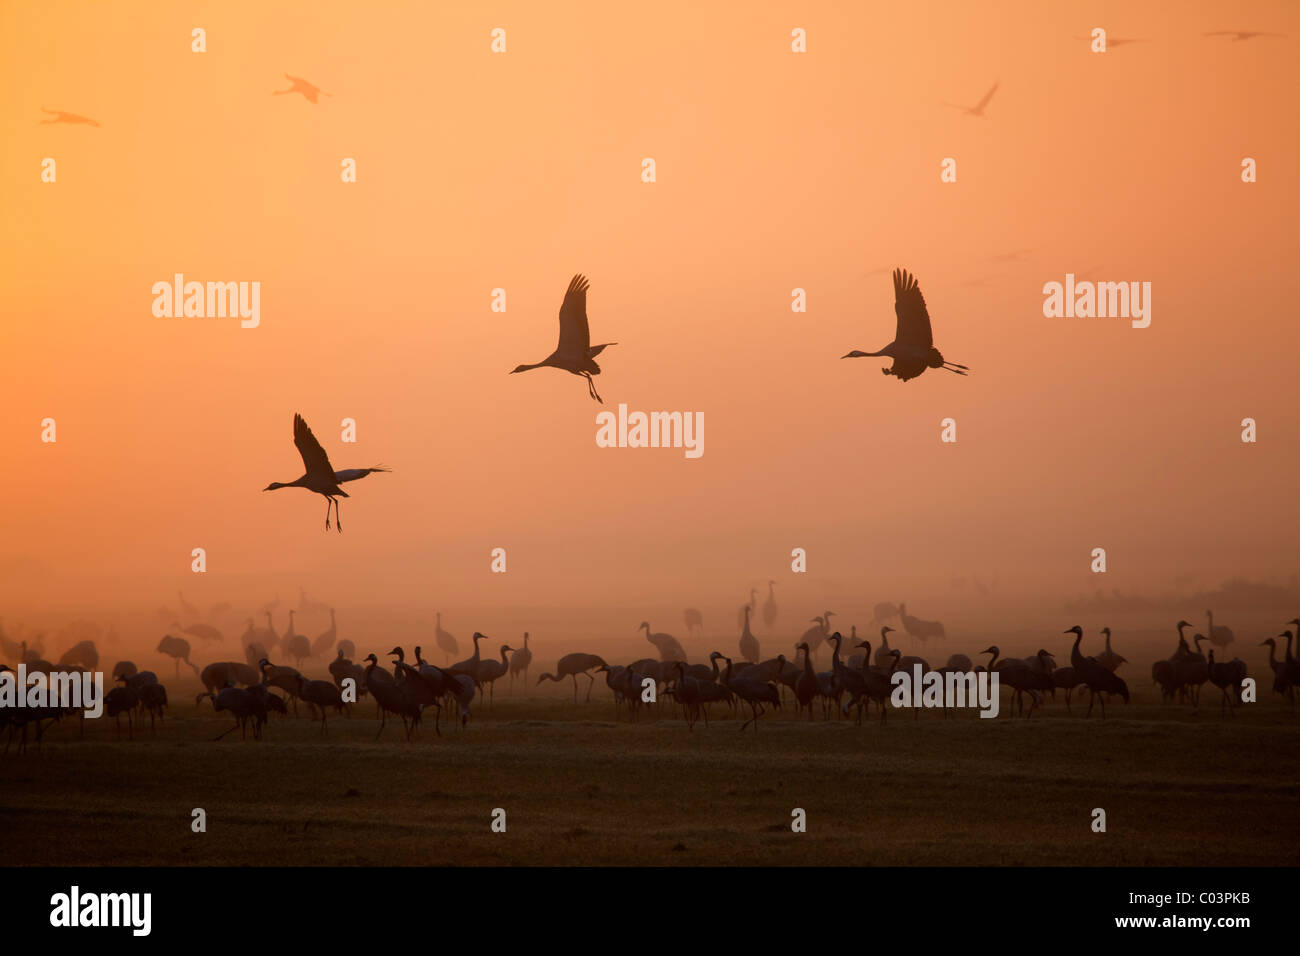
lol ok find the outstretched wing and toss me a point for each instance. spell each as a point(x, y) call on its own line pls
point(987, 96)
point(352, 474)
point(314, 459)
point(575, 337)
point(909, 306)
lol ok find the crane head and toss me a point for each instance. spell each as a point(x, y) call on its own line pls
point(1076, 630)
point(1183, 624)
point(1106, 631)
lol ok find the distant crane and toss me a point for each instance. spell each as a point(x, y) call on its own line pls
point(326, 640)
point(769, 606)
point(752, 604)
point(1108, 658)
point(71, 118)
point(913, 348)
point(179, 649)
point(978, 109)
point(1220, 636)
point(575, 353)
point(748, 642)
point(311, 93)
point(670, 649)
point(1238, 35)
point(694, 620)
point(320, 476)
point(446, 643)
point(918, 628)
point(519, 662)
point(188, 609)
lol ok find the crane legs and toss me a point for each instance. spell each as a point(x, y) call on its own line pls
point(591, 387)
point(332, 502)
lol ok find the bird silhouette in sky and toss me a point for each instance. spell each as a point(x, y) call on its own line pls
point(913, 348)
point(61, 117)
point(320, 475)
point(575, 353)
point(1238, 35)
point(310, 92)
point(978, 108)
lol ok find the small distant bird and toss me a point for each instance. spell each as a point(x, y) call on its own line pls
point(978, 108)
point(310, 92)
point(913, 348)
point(321, 476)
point(1242, 34)
point(1118, 41)
point(62, 117)
point(575, 353)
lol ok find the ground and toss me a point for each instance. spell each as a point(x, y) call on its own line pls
point(580, 788)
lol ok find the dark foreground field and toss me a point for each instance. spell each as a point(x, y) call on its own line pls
point(579, 788)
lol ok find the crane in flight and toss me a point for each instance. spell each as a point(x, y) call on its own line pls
point(311, 93)
point(61, 117)
point(913, 348)
point(1238, 35)
point(978, 108)
point(320, 476)
point(575, 353)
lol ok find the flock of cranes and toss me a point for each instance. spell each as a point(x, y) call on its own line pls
point(912, 352)
point(742, 684)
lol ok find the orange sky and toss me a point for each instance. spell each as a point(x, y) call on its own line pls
point(775, 171)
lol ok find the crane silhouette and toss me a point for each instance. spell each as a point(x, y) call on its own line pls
point(321, 476)
point(1118, 41)
point(575, 353)
point(311, 93)
point(1238, 35)
point(61, 117)
point(913, 348)
point(978, 108)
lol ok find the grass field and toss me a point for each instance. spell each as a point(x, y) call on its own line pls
point(580, 788)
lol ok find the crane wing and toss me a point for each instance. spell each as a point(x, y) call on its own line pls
point(909, 306)
point(575, 337)
point(352, 474)
point(987, 96)
point(314, 459)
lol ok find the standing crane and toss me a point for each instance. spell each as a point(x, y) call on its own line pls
point(179, 649)
point(320, 475)
point(670, 649)
point(446, 643)
point(913, 348)
point(753, 692)
point(519, 662)
point(571, 665)
point(748, 642)
point(575, 353)
point(769, 606)
point(752, 604)
point(1219, 635)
